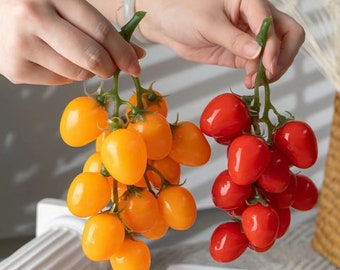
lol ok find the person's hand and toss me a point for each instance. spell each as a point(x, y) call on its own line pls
point(222, 32)
point(60, 41)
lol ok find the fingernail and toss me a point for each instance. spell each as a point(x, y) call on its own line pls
point(273, 66)
point(134, 69)
point(252, 50)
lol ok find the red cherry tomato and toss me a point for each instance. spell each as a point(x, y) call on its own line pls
point(286, 198)
point(276, 177)
point(248, 157)
point(260, 224)
point(225, 115)
point(228, 195)
point(297, 141)
point(285, 217)
point(227, 242)
point(306, 193)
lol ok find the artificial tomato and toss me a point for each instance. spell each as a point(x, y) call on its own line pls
point(306, 196)
point(164, 169)
point(152, 101)
point(227, 242)
point(156, 133)
point(260, 224)
point(124, 155)
point(297, 141)
point(134, 254)
point(248, 157)
point(177, 207)
point(226, 115)
point(189, 146)
point(88, 194)
point(82, 120)
point(228, 195)
point(275, 178)
point(103, 234)
point(139, 210)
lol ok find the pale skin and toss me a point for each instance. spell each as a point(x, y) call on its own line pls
point(53, 42)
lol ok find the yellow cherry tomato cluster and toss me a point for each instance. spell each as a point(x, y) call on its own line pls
point(129, 188)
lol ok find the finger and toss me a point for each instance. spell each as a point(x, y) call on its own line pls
point(292, 36)
point(32, 73)
point(255, 12)
point(86, 18)
point(45, 56)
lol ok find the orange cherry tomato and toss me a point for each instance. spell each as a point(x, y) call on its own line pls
point(178, 207)
point(134, 254)
point(152, 102)
point(156, 133)
point(139, 210)
point(189, 146)
point(88, 194)
point(169, 169)
point(124, 156)
point(103, 234)
point(82, 121)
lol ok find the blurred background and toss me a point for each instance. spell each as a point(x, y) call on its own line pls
point(36, 164)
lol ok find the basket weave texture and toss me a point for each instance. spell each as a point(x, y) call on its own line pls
point(326, 239)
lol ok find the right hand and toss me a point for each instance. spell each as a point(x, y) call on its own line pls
point(55, 42)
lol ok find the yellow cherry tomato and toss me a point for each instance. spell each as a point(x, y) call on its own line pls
point(134, 254)
point(103, 234)
point(124, 156)
point(88, 194)
point(82, 121)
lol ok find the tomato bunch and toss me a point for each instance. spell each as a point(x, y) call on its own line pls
point(129, 188)
point(258, 188)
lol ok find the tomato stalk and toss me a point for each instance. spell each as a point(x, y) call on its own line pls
point(261, 78)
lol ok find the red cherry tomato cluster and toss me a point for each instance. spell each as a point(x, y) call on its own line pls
point(258, 187)
point(129, 188)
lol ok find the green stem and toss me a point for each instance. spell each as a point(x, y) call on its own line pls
point(115, 207)
point(130, 26)
point(139, 93)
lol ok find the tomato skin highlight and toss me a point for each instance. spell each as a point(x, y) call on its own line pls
point(124, 156)
point(103, 234)
point(228, 195)
point(297, 141)
point(82, 121)
point(227, 242)
point(224, 116)
point(248, 157)
point(260, 224)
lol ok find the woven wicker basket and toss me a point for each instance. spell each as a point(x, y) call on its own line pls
point(326, 238)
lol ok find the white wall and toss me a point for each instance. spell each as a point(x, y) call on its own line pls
point(35, 163)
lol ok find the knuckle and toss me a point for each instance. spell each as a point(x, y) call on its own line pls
point(94, 57)
point(83, 74)
point(103, 30)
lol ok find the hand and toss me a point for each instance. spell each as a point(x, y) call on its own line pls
point(222, 32)
point(60, 41)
